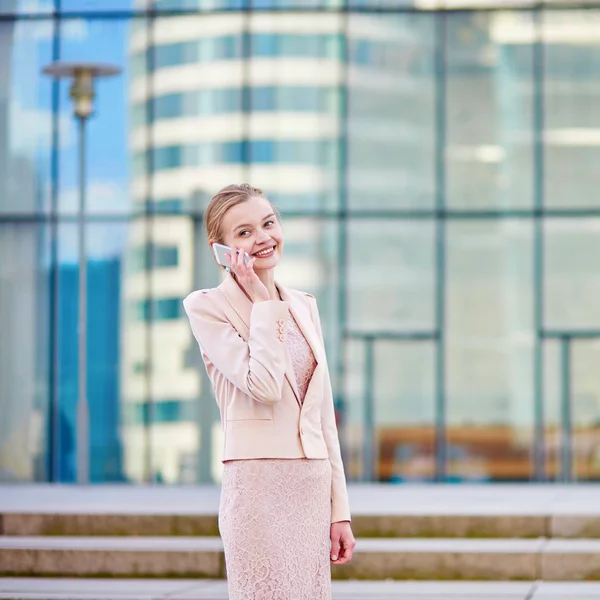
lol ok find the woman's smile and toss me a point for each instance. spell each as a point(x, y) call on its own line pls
point(265, 253)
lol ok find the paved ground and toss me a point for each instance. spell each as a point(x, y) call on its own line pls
point(371, 499)
point(78, 589)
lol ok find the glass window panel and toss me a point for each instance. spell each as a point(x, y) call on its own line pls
point(571, 109)
point(585, 403)
point(108, 139)
point(199, 5)
point(552, 410)
point(294, 149)
point(79, 6)
point(391, 111)
point(352, 437)
point(168, 392)
point(14, 7)
point(196, 141)
point(404, 406)
point(489, 103)
point(105, 246)
point(571, 250)
point(25, 308)
point(310, 264)
point(489, 350)
point(391, 275)
point(26, 123)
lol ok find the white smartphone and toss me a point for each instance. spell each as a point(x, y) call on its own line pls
point(220, 250)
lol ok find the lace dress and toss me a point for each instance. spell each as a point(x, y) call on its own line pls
point(275, 515)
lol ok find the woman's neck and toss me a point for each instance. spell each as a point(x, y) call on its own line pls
point(268, 279)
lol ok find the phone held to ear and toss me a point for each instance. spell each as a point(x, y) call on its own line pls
point(220, 250)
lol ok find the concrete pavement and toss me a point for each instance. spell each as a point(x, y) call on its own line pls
point(365, 499)
point(98, 589)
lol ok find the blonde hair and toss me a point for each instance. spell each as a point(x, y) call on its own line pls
point(222, 201)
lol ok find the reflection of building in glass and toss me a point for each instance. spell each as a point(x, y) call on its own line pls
point(104, 283)
point(368, 114)
point(360, 127)
point(221, 99)
point(23, 361)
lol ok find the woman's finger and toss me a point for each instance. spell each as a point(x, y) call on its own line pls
point(239, 265)
point(335, 550)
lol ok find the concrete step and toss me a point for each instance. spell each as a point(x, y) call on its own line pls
point(375, 559)
point(388, 526)
point(431, 511)
point(161, 589)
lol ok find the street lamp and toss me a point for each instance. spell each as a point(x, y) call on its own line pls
point(82, 94)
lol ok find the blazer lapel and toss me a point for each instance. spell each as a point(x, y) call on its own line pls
point(237, 299)
point(243, 308)
point(304, 320)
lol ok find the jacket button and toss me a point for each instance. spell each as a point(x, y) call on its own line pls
point(281, 322)
point(281, 338)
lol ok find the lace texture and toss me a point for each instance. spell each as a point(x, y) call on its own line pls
point(274, 519)
point(302, 357)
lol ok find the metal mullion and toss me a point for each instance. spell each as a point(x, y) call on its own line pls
point(440, 270)
point(367, 10)
point(343, 213)
point(403, 336)
point(538, 249)
point(53, 425)
point(571, 333)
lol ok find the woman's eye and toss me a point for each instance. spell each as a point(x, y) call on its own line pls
point(243, 233)
point(268, 223)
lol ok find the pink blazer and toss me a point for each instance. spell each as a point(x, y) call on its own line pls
point(244, 351)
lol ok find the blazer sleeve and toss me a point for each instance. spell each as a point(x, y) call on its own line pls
point(257, 367)
point(340, 506)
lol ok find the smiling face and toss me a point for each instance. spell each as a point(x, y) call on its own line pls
point(253, 226)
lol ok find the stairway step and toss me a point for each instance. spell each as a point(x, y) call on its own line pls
point(84, 589)
point(475, 526)
point(379, 559)
point(161, 589)
point(432, 511)
point(112, 556)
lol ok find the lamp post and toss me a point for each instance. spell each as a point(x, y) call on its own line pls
point(82, 93)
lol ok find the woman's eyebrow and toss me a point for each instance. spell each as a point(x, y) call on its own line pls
point(246, 225)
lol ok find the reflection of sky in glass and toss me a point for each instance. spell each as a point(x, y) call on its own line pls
point(98, 5)
point(107, 148)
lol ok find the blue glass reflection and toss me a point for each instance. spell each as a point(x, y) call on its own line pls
point(104, 281)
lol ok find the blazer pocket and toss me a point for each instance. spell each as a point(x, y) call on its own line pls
point(250, 423)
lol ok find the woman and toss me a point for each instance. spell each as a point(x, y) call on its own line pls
point(284, 513)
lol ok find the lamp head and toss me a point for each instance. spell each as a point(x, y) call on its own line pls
point(82, 93)
point(82, 88)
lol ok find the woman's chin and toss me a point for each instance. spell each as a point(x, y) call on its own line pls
point(264, 264)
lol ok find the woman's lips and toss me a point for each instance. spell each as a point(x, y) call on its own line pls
point(265, 253)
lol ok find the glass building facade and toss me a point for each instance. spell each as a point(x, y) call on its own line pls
point(437, 167)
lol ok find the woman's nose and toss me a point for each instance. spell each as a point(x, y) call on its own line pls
point(263, 236)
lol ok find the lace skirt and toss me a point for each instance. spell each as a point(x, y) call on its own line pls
point(274, 519)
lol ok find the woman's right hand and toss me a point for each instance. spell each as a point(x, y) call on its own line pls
point(246, 275)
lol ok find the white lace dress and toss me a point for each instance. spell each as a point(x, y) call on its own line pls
point(275, 514)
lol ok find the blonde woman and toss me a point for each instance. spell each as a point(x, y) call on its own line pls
point(284, 513)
